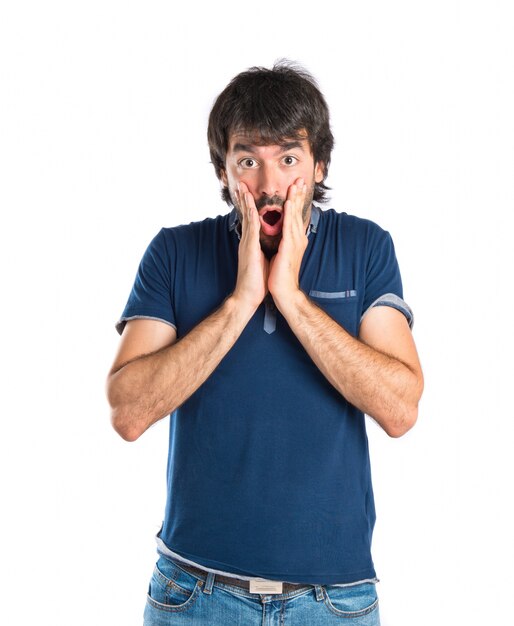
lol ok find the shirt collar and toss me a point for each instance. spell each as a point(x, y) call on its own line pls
point(233, 221)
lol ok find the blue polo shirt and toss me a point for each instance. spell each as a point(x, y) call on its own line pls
point(268, 471)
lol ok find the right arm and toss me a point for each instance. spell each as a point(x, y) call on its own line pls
point(153, 373)
point(145, 388)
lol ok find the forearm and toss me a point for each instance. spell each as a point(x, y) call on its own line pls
point(152, 386)
point(381, 386)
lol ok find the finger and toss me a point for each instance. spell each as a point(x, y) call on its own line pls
point(299, 182)
point(298, 193)
point(293, 212)
point(251, 225)
point(252, 214)
point(241, 195)
point(249, 201)
point(301, 194)
point(291, 208)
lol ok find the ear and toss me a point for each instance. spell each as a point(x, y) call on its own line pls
point(223, 178)
point(319, 172)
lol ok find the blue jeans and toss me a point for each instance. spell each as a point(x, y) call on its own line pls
point(177, 597)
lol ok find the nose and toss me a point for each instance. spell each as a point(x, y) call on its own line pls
point(269, 181)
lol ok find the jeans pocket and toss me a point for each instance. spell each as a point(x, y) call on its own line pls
point(351, 601)
point(169, 595)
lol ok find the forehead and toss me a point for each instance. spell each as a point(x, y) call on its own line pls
point(242, 141)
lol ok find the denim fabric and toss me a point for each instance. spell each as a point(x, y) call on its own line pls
point(177, 597)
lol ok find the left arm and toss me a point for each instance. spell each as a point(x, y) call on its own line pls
point(379, 372)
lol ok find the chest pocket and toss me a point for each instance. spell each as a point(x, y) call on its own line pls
point(342, 306)
point(333, 295)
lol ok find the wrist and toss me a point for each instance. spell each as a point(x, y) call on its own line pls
point(241, 307)
point(289, 301)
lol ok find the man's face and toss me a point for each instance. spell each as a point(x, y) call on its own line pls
point(268, 171)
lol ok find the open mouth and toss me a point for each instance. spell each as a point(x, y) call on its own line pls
point(271, 222)
point(272, 217)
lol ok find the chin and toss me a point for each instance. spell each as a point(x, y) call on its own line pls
point(269, 245)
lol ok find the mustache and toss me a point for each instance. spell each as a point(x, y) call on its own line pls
point(269, 201)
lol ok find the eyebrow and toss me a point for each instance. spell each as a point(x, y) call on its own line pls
point(248, 147)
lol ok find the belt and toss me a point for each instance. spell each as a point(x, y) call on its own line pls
point(236, 582)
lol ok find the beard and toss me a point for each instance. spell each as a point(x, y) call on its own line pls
point(270, 244)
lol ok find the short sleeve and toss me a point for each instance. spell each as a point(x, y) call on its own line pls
point(383, 279)
point(151, 294)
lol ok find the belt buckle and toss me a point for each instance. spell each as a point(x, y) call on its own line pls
point(263, 586)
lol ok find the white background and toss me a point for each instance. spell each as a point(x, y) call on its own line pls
point(102, 141)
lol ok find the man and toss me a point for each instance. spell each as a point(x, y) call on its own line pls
point(267, 333)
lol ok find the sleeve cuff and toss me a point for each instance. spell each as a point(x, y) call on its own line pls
point(120, 325)
point(394, 301)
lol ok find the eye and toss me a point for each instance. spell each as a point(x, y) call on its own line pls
point(248, 163)
point(290, 160)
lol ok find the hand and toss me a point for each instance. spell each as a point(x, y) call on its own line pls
point(253, 267)
point(284, 270)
